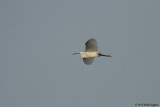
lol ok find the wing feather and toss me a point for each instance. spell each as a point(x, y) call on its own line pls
point(91, 45)
point(88, 61)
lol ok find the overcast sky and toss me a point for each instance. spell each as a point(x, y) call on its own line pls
point(38, 37)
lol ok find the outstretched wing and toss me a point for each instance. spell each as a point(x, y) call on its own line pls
point(91, 45)
point(88, 61)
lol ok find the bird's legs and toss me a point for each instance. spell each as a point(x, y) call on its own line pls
point(104, 55)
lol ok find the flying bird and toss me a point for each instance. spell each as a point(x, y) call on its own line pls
point(90, 52)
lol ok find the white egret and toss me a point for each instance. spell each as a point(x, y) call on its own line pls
point(90, 52)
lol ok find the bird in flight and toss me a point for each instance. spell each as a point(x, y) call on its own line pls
point(90, 52)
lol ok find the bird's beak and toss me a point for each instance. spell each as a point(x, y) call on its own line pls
point(75, 53)
point(108, 56)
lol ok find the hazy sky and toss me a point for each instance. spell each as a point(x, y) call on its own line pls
point(38, 37)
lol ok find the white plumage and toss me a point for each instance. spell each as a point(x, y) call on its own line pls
point(90, 52)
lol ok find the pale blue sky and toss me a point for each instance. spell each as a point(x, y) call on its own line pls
point(38, 37)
